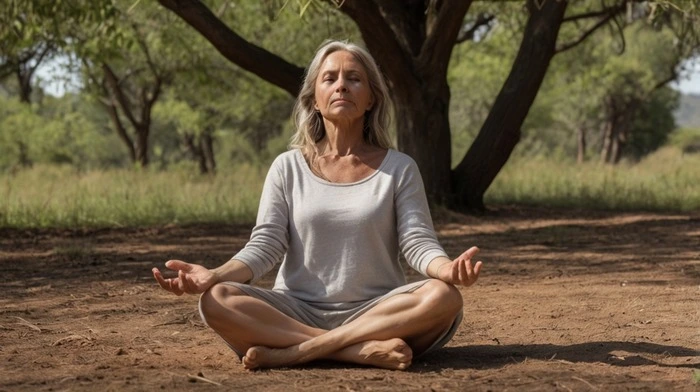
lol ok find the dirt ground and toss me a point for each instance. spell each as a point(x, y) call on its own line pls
point(567, 301)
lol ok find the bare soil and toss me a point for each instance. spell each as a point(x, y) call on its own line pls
point(568, 301)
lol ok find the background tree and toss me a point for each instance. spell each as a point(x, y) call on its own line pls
point(413, 42)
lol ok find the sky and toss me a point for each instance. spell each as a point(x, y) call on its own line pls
point(690, 84)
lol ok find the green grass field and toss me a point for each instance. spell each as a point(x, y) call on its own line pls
point(61, 197)
point(666, 180)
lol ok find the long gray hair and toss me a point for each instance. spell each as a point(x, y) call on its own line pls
point(309, 123)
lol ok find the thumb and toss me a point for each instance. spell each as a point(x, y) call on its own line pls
point(178, 265)
point(469, 253)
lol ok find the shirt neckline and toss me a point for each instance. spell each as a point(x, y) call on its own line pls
point(307, 170)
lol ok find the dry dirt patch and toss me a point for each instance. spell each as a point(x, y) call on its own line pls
point(570, 301)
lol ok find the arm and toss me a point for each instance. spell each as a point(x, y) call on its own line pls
point(417, 238)
point(267, 245)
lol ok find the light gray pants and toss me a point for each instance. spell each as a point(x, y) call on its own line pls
point(330, 317)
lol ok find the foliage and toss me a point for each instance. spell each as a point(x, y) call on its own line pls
point(56, 130)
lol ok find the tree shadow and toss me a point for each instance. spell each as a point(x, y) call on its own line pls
point(614, 353)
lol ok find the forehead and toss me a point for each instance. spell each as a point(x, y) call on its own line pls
point(342, 59)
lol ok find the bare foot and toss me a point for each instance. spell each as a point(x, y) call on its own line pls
point(262, 357)
point(392, 354)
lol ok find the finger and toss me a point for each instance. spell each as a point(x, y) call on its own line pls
point(477, 268)
point(159, 278)
point(182, 281)
point(166, 284)
point(469, 272)
point(462, 274)
point(188, 283)
point(469, 253)
point(178, 265)
point(175, 286)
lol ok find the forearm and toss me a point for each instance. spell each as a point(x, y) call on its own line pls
point(233, 271)
point(435, 265)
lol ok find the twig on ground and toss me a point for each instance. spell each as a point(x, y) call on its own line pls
point(27, 324)
point(201, 378)
point(585, 382)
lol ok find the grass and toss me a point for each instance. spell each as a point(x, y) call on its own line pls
point(61, 197)
point(49, 196)
point(666, 180)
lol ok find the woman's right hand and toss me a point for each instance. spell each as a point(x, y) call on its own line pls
point(191, 278)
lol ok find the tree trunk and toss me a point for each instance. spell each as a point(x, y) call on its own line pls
point(605, 152)
point(501, 130)
point(201, 151)
point(141, 145)
point(206, 142)
point(581, 144)
point(24, 80)
point(24, 160)
point(425, 136)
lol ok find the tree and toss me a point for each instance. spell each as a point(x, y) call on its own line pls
point(412, 41)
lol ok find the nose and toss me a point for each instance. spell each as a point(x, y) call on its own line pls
point(341, 85)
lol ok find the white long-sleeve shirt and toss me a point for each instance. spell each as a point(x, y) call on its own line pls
point(340, 242)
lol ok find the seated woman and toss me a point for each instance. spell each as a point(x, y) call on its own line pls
point(336, 209)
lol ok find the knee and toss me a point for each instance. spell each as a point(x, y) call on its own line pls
point(217, 299)
point(444, 297)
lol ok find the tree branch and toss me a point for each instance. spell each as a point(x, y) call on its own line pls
point(442, 34)
point(582, 37)
point(118, 94)
point(252, 58)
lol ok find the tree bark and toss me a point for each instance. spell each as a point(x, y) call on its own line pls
point(501, 130)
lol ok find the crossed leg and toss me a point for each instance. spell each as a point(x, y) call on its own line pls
point(386, 336)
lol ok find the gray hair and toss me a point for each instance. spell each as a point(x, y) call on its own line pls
point(309, 123)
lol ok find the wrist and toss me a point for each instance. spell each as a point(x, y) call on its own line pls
point(437, 271)
point(218, 278)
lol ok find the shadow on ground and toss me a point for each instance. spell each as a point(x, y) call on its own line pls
point(612, 353)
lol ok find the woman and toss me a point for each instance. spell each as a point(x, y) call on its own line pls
point(338, 207)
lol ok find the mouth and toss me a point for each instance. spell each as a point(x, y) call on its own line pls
point(341, 100)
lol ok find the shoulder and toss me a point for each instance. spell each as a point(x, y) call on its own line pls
point(401, 158)
point(288, 160)
point(400, 163)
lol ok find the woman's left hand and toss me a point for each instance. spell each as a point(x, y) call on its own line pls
point(461, 271)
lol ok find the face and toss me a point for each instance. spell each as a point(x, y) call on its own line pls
point(342, 88)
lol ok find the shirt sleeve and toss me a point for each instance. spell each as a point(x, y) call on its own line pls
point(270, 237)
point(417, 238)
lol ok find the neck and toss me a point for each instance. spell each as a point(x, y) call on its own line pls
point(342, 139)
